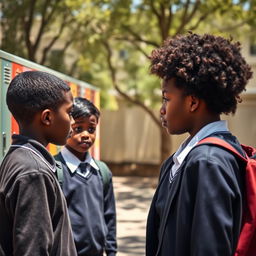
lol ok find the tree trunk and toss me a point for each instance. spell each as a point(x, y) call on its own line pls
point(165, 144)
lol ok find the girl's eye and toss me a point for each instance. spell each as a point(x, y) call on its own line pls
point(165, 100)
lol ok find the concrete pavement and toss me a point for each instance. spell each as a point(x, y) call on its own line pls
point(133, 198)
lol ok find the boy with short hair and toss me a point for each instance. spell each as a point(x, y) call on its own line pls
point(90, 200)
point(33, 212)
point(198, 204)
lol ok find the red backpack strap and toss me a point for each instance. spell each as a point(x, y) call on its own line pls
point(246, 245)
point(223, 144)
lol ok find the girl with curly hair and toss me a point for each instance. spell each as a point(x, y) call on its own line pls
point(197, 207)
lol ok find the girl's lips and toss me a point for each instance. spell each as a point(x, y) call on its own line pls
point(164, 123)
point(85, 144)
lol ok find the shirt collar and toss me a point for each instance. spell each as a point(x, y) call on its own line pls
point(73, 162)
point(189, 143)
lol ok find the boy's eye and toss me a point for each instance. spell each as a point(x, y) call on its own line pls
point(91, 130)
point(78, 129)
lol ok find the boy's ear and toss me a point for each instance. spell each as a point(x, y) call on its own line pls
point(194, 103)
point(47, 117)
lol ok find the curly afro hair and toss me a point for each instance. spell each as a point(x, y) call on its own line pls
point(208, 67)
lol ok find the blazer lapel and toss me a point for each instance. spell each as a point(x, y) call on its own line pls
point(171, 195)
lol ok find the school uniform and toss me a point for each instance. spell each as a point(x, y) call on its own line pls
point(197, 207)
point(92, 211)
point(33, 213)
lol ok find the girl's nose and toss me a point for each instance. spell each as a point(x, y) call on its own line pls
point(162, 110)
point(85, 135)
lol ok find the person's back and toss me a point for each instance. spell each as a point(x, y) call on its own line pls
point(33, 212)
point(90, 198)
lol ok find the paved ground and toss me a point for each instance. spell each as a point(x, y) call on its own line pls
point(133, 197)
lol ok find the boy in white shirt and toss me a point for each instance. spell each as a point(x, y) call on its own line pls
point(87, 186)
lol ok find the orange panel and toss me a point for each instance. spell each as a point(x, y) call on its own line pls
point(16, 69)
point(92, 96)
point(96, 100)
point(74, 89)
point(88, 94)
point(53, 149)
point(15, 126)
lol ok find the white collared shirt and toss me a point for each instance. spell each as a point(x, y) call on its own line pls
point(73, 162)
point(189, 143)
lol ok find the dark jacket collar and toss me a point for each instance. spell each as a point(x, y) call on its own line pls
point(21, 140)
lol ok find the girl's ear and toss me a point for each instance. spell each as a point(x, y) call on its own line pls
point(47, 117)
point(194, 103)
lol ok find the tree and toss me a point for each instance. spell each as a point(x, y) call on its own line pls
point(134, 28)
point(31, 28)
point(114, 37)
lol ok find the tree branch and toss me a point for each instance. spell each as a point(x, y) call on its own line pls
point(27, 23)
point(133, 42)
point(123, 94)
point(139, 38)
point(54, 39)
point(154, 10)
point(73, 68)
point(187, 16)
point(43, 24)
point(203, 17)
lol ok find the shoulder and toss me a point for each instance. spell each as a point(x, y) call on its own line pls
point(59, 159)
point(102, 166)
point(210, 154)
point(21, 163)
point(211, 161)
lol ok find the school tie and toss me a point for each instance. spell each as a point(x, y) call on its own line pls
point(83, 169)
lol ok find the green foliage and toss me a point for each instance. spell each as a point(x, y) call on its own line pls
point(107, 42)
point(133, 29)
point(117, 34)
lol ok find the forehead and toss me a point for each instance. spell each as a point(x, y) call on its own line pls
point(92, 119)
point(168, 85)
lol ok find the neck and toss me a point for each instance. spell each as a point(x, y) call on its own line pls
point(200, 123)
point(33, 134)
point(80, 155)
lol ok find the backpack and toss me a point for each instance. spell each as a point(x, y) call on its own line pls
point(246, 245)
point(104, 171)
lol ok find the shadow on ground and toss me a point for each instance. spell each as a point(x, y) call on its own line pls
point(133, 197)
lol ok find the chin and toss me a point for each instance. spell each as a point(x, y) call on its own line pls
point(173, 131)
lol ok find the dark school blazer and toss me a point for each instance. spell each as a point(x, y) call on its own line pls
point(203, 210)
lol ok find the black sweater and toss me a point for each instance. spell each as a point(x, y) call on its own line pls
point(33, 212)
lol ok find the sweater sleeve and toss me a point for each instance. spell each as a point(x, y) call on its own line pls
point(31, 203)
point(110, 219)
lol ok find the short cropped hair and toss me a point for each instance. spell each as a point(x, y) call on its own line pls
point(84, 108)
point(33, 91)
point(206, 66)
